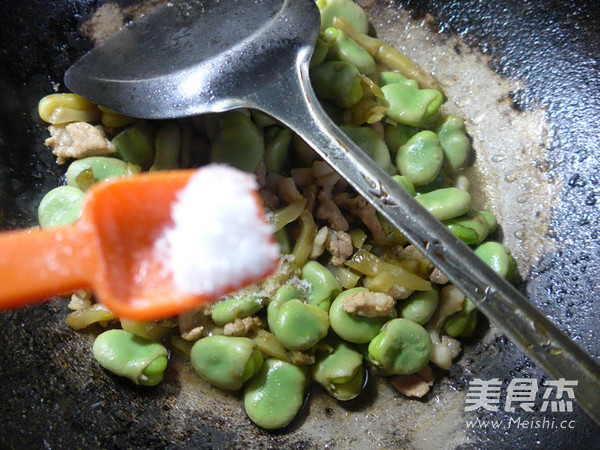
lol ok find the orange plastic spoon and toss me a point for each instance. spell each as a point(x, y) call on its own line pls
point(109, 250)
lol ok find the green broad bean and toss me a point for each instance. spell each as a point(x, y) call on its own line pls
point(303, 151)
point(341, 372)
point(60, 206)
point(100, 168)
point(421, 158)
point(225, 361)
point(498, 257)
point(396, 136)
point(347, 9)
point(402, 347)
point(275, 395)
point(471, 228)
point(455, 142)
point(389, 77)
point(297, 325)
point(168, 147)
point(285, 293)
point(370, 142)
point(468, 235)
point(447, 203)
point(319, 53)
point(405, 182)
point(420, 306)
point(490, 219)
point(277, 144)
point(236, 307)
point(350, 327)
point(463, 323)
point(323, 284)
point(238, 142)
point(135, 144)
point(343, 48)
point(131, 356)
point(440, 182)
point(261, 120)
point(410, 106)
point(337, 81)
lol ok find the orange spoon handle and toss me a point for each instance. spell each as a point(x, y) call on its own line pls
point(38, 263)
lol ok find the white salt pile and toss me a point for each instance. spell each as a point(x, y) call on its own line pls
point(219, 237)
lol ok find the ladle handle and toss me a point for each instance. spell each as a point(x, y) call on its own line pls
point(501, 302)
point(38, 263)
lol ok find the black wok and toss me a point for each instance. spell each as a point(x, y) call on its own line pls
point(533, 71)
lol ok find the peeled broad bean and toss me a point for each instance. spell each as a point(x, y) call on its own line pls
point(275, 394)
point(446, 203)
point(397, 135)
point(341, 372)
point(297, 325)
point(350, 327)
point(421, 158)
point(343, 48)
point(464, 322)
point(130, 356)
point(225, 361)
point(323, 284)
point(167, 147)
point(236, 307)
point(405, 182)
point(420, 306)
point(455, 143)
point(285, 293)
point(402, 347)
point(369, 142)
point(100, 168)
point(389, 77)
point(60, 206)
point(238, 142)
point(64, 108)
point(440, 182)
point(319, 53)
point(347, 9)
point(491, 220)
point(337, 81)
point(277, 143)
point(471, 228)
point(410, 106)
point(498, 257)
point(135, 144)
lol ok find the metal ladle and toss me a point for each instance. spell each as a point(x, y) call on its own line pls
point(196, 57)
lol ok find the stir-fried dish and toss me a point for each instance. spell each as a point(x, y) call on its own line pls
point(350, 293)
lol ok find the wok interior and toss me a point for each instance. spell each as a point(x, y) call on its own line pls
point(527, 91)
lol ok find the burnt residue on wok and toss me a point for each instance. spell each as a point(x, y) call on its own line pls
point(54, 396)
